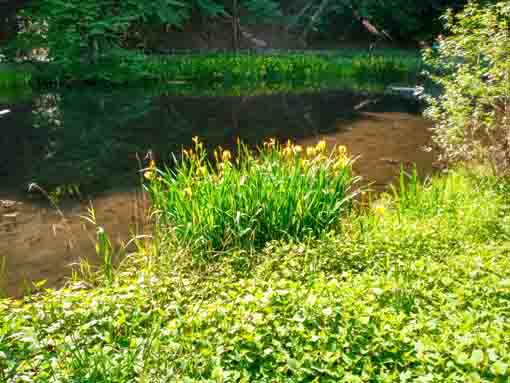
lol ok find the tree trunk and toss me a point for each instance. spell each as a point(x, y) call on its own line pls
point(314, 18)
point(8, 28)
point(235, 25)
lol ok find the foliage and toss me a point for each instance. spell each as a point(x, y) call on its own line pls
point(12, 78)
point(401, 294)
point(235, 68)
point(80, 32)
point(401, 19)
point(281, 192)
point(472, 67)
point(297, 67)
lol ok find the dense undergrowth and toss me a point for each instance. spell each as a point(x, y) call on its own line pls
point(226, 68)
point(411, 287)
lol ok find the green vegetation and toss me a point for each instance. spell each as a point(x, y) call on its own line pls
point(88, 31)
point(264, 88)
point(472, 67)
point(279, 192)
point(411, 288)
point(296, 67)
point(264, 267)
point(12, 78)
point(404, 20)
point(233, 69)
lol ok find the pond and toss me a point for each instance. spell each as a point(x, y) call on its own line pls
point(85, 147)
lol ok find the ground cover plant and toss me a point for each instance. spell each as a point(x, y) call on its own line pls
point(410, 287)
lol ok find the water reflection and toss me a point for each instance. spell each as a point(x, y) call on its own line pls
point(94, 140)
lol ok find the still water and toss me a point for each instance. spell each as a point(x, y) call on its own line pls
point(91, 142)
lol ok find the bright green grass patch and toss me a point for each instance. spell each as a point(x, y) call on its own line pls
point(414, 291)
point(231, 68)
point(281, 192)
point(13, 78)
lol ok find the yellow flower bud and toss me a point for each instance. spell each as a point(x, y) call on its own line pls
point(321, 146)
point(298, 148)
point(188, 193)
point(380, 210)
point(149, 175)
point(342, 150)
point(226, 156)
point(270, 144)
point(202, 171)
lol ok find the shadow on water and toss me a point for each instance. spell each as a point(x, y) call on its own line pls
point(91, 139)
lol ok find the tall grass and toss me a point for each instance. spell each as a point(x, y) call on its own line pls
point(282, 191)
point(3, 275)
point(133, 67)
point(11, 78)
point(230, 68)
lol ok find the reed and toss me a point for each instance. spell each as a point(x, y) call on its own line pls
point(11, 78)
point(296, 67)
point(234, 68)
point(279, 192)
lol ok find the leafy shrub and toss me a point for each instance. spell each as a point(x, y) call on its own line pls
point(282, 192)
point(473, 69)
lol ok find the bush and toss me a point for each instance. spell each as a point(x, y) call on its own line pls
point(473, 70)
point(282, 192)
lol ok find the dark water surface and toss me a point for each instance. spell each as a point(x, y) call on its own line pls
point(91, 142)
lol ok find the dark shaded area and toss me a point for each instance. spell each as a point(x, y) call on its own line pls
point(8, 20)
point(93, 138)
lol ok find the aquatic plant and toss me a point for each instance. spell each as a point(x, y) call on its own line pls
point(12, 78)
point(280, 192)
point(234, 68)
